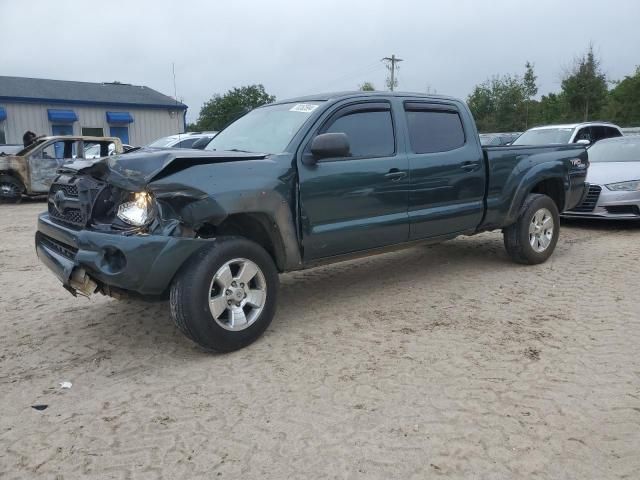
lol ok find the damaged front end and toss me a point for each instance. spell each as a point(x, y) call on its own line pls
point(108, 229)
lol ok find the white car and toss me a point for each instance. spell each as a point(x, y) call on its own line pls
point(197, 140)
point(586, 133)
point(614, 181)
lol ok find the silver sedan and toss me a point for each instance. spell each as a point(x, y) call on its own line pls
point(614, 178)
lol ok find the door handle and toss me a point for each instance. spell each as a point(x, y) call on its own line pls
point(469, 166)
point(394, 175)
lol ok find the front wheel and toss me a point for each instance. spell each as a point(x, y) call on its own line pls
point(10, 189)
point(225, 296)
point(533, 238)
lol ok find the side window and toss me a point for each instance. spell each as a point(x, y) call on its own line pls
point(611, 132)
point(370, 132)
point(433, 131)
point(98, 150)
point(584, 134)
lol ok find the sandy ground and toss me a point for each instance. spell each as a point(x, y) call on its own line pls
point(445, 361)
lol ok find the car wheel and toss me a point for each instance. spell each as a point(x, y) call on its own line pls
point(10, 189)
point(533, 238)
point(225, 296)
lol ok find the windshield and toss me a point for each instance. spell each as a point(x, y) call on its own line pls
point(487, 140)
point(544, 136)
point(627, 151)
point(162, 142)
point(264, 130)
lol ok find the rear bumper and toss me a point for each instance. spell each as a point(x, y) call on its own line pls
point(144, 264)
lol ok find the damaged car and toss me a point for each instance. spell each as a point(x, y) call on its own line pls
point(30, 171)
point(292, 185)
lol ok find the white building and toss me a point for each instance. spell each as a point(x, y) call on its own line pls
point(136, 114)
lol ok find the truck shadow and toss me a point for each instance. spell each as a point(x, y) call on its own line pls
point(140, 326)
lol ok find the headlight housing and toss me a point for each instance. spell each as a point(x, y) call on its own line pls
point(139, 211)
point(631, 186)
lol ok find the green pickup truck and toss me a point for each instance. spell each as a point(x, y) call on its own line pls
point(289, 186)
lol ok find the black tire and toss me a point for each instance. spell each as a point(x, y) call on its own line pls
point(517, 238)
point(10, 189)
point(191, 291)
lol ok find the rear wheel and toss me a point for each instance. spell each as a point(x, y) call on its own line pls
point(10, 189)
point(225, 296)
point(533, 238)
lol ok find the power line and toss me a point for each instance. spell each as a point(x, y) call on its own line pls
point(392, 67)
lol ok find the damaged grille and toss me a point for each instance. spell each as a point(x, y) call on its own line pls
point(71, 199)
point(69, 190)
point(65, 250)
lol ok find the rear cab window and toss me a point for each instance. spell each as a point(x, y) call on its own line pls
point(433, 127)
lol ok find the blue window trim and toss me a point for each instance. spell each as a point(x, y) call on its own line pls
point(164, 106)
point(3, 114)
point(119, 118)
point(61, 116)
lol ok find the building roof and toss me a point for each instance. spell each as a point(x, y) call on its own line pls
point(41, 90)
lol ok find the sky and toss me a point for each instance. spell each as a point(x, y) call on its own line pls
point(298, 47)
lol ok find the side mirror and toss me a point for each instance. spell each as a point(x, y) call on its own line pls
point(330, 145)
point(583, 141)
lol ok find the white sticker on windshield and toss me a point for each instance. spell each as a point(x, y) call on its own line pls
point(303, 107)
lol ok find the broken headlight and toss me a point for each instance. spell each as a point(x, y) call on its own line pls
point(139, 211)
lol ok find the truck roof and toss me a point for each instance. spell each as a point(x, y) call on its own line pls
point(323, 97)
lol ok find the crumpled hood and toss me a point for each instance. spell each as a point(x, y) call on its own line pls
point(136, 169)
point(603, 173)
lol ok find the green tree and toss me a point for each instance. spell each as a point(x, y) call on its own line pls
point(222, 109)
point(498, 104)
point(529, 89)
point(624, 101)
point(585, 87)
point(367, 87)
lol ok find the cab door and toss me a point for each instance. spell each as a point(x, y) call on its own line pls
point(45, 161)
point(357, 202)
point(446, 194)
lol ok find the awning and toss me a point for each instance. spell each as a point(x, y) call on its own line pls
point(62, 116)
point(3, 114)
point(119, 117)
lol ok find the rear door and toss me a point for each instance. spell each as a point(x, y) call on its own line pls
point(446, 190)
point(357, 202)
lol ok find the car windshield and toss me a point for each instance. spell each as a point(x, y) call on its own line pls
point(486, 139)
point(544, 136)
point(264, 130)
point(627, 151)
point(162, 142)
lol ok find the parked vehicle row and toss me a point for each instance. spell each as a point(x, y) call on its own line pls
point(289, 186)
point(585, 133)
point(614, 181)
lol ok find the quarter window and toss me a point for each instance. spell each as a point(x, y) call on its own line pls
point(433, 131)
point(370, 133)
point(611, 132)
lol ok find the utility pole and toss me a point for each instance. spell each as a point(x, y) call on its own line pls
point(391, 66)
